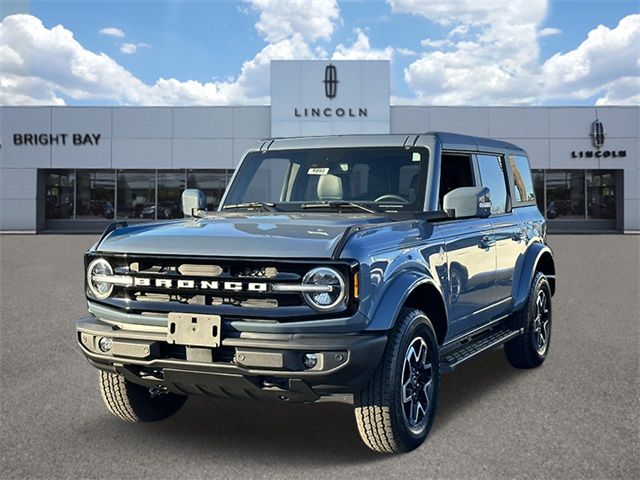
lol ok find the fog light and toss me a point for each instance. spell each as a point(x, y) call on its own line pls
point(310, 360)
point(105, 344)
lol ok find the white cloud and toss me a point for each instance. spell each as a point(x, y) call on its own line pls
point(406, 52)
point(280, 19)
point(498, 61)
point(361, 49)
point(131, 48)
point(112, 32)
point(440, 43)
point(40, 66)
point(494, 61)
point(549, 31)
point(607, 63)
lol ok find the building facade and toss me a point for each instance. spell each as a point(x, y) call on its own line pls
point(80, 168)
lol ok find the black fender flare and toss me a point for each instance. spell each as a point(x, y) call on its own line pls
point(388, 307)
point(525, 270)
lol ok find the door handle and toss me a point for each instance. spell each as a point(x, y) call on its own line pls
point(517, 237)
point(486, 242)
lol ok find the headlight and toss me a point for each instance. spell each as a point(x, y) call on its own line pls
point(96, 269)
point(332, 296)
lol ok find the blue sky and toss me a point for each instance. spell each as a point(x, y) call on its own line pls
point(477, 52)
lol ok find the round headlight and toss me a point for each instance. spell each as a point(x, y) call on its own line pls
point(97, 268)
point(330, 296)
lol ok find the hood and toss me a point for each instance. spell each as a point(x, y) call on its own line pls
point(239, 234)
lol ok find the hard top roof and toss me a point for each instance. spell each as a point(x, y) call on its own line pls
point(449, 141)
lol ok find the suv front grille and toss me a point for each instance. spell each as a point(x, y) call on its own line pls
point(229, 287)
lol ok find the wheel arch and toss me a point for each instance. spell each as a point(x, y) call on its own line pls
point(538, 258)
point(411, 290)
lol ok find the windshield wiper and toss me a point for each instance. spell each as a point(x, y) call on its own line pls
point(337, 204)
point(268, 207)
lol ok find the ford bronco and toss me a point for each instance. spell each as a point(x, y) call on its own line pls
point(360, 267)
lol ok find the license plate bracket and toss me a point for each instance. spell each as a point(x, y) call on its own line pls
point(194, 330)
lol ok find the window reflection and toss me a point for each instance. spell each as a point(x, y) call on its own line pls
point(95, 196)
point(59, 194)
point(170, 187)
point(137, 194)
point(538, 187)
point(601, 194)
point(565, 194)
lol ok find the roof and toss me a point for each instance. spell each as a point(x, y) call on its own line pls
point(448, 141)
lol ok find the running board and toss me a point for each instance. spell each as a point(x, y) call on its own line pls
point(487, 341)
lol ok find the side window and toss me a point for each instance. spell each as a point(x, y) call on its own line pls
point(492, 175)
point(522, 182)
point(456, 170)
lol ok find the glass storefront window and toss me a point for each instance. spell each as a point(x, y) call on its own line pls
point(59, 194)
point(136, 194)
point(95, 195)
point(601, 194)
point(565, 194)
point(211, 182)
point(170, 187)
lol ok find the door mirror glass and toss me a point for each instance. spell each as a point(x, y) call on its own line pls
point(468, 202)
point(192, 201)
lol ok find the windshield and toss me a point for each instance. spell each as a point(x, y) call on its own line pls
point(380, 178)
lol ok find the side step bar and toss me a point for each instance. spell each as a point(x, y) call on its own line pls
point(494, 338)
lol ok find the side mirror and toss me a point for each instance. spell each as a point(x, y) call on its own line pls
point(468, 202)
point(192, 201)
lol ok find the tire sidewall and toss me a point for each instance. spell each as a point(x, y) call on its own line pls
point(418, 326)
point(540, 284)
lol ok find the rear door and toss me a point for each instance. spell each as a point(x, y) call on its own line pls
point(506, 226)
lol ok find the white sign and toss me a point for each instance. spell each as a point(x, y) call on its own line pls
point(326, 97)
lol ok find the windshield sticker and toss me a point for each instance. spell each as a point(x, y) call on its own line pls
point(318, 171)
point(416, 157)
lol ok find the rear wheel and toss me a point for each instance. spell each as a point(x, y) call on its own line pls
point(135, 403)
point(530, 349)
point(395, 410)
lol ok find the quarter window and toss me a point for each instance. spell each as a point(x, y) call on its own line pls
point(522, 182)
point(492, 175)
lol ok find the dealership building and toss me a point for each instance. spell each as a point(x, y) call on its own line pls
point(80, 168)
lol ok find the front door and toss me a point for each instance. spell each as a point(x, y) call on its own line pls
point(471, 257)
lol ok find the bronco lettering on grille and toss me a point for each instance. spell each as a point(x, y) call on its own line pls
point(200, 284)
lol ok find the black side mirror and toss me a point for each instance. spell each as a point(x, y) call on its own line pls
point(468, 202)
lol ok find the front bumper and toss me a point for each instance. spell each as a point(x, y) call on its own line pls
point(246, 365)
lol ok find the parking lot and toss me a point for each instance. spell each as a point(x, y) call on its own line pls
point(575, 417)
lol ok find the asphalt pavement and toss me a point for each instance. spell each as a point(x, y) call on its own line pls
point(575, 417)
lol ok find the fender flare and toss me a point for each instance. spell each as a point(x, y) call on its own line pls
point(387, 308)
point(525, 270)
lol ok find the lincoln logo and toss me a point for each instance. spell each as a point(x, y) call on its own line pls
point(597, 134)
point(330, 81)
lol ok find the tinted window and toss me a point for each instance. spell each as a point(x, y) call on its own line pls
point(170, 187)
point(492, 176)
point(212, 183)
point(522, 182)
point(137, 194)
point(59, 194)
point(601, 194)
point(455, 171)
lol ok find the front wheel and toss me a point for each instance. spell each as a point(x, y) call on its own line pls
point(530, 349)
point(135, 403)
point(395, 410)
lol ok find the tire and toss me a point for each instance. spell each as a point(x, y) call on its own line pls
point(530, 349)
point(134, 403)
point(383, 407)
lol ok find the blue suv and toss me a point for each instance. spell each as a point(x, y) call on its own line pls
point(359, 267)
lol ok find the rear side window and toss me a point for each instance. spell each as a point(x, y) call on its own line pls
point(492, 175)
point(522, 182)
